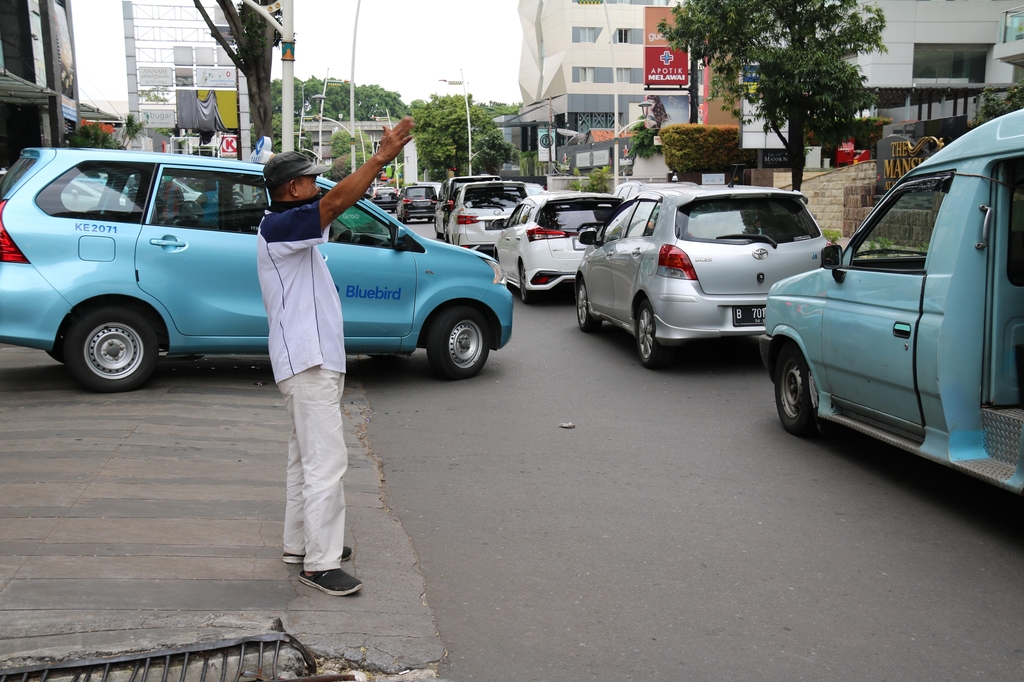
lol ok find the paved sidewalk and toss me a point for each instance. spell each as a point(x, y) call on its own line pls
point(135, 521)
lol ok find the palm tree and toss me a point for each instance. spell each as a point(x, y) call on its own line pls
point(131, 130)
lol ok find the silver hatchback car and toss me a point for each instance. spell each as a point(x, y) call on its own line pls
point(692, 262)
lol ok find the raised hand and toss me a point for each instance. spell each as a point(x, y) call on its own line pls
point(394, 139)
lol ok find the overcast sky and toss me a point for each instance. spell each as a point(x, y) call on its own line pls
point(403, 45)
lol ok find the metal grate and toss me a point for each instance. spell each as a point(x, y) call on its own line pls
point(1002, 433)
point(263, 658)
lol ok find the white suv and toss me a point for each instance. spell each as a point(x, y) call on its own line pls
point(479, 212)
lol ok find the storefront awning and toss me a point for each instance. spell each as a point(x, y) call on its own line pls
point(18, 91)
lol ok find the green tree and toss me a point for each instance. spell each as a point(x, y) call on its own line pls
point(251, 51)
point(495, 109)
point(993, 105)
point(372, 101)
point(788, 60)
point(441, 136)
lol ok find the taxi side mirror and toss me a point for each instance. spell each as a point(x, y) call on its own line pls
point(588, 237)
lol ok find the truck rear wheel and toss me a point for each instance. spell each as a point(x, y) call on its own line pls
point(793, 392)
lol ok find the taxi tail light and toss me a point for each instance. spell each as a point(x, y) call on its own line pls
point(537, 233)
point(673, 262)
point(9, 251)
point(466, 220)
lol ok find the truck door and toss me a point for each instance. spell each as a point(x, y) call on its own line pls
point(1006, 263)
point(873, 307)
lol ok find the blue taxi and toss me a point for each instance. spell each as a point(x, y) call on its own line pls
point(109, 259)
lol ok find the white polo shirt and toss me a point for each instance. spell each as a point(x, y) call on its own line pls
point(302, 302)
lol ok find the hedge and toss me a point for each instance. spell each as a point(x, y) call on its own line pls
point(690, 148)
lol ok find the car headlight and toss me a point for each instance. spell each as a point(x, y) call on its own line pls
point(499, 273)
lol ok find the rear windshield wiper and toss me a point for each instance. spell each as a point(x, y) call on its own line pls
point(752, 237)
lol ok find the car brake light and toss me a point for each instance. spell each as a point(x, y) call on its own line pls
point(673, 262)
point(535, 233)
point(9, 251)
point(466, 220)
point(406, 201)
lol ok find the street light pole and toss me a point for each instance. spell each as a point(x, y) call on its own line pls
point(352, 89)
point(469, 126)
point(286, 27)
point(615, 97)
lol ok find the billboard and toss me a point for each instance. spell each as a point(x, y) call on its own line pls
point(156, 76)
point(662, 64)
point(220, 77)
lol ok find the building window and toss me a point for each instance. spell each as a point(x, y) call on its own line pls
point(589, 121)
point(950, 63)
point(626, 36)
point(623, 75)
point(585, 34)
point(585, 74)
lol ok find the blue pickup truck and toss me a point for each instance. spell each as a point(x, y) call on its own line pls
point(109, 259)
point(914, 333)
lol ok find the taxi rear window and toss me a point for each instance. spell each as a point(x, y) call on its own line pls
point(780, 218)
point(10, 179)
point(99, 190)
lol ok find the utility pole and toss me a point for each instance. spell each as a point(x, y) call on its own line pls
point(286, 27)
point(352, 91)
point(551, 135)
point(694, 88)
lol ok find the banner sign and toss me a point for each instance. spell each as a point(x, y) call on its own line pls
point(156, 76)
point(158, 118)
point(662, 64)
point(215, 77)
point(897, 155)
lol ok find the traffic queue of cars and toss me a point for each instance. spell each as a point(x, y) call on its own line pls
point(912, 334)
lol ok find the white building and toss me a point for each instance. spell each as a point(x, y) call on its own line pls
point(569, 60)
point(941, 54)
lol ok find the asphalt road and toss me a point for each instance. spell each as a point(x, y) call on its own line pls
point(677, 532)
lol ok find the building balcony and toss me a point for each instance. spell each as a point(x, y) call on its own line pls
point(1010, 48)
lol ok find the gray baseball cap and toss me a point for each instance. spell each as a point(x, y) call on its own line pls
point(287, 166)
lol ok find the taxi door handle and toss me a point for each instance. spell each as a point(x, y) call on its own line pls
point(636, 252)
point(901, 330)
point(169, 241)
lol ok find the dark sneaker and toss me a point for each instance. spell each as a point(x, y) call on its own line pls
point(346, 555)
point(335, 582)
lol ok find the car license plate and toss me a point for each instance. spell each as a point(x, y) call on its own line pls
point(748, 316)
point(577, 246)
point(421, 203)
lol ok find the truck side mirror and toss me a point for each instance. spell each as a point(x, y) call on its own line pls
point(831, 256)
point(832, 259)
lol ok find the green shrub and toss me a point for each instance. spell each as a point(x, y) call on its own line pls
point(597, 181)
point(691, 148)
point(832, 235)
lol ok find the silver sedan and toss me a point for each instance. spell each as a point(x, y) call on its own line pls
point(693, 262)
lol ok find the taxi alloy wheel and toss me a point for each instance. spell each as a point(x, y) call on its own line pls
point(652, 354)
point(458, 343)
point(111, 349)
point(586, 322)
point(793, 392)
